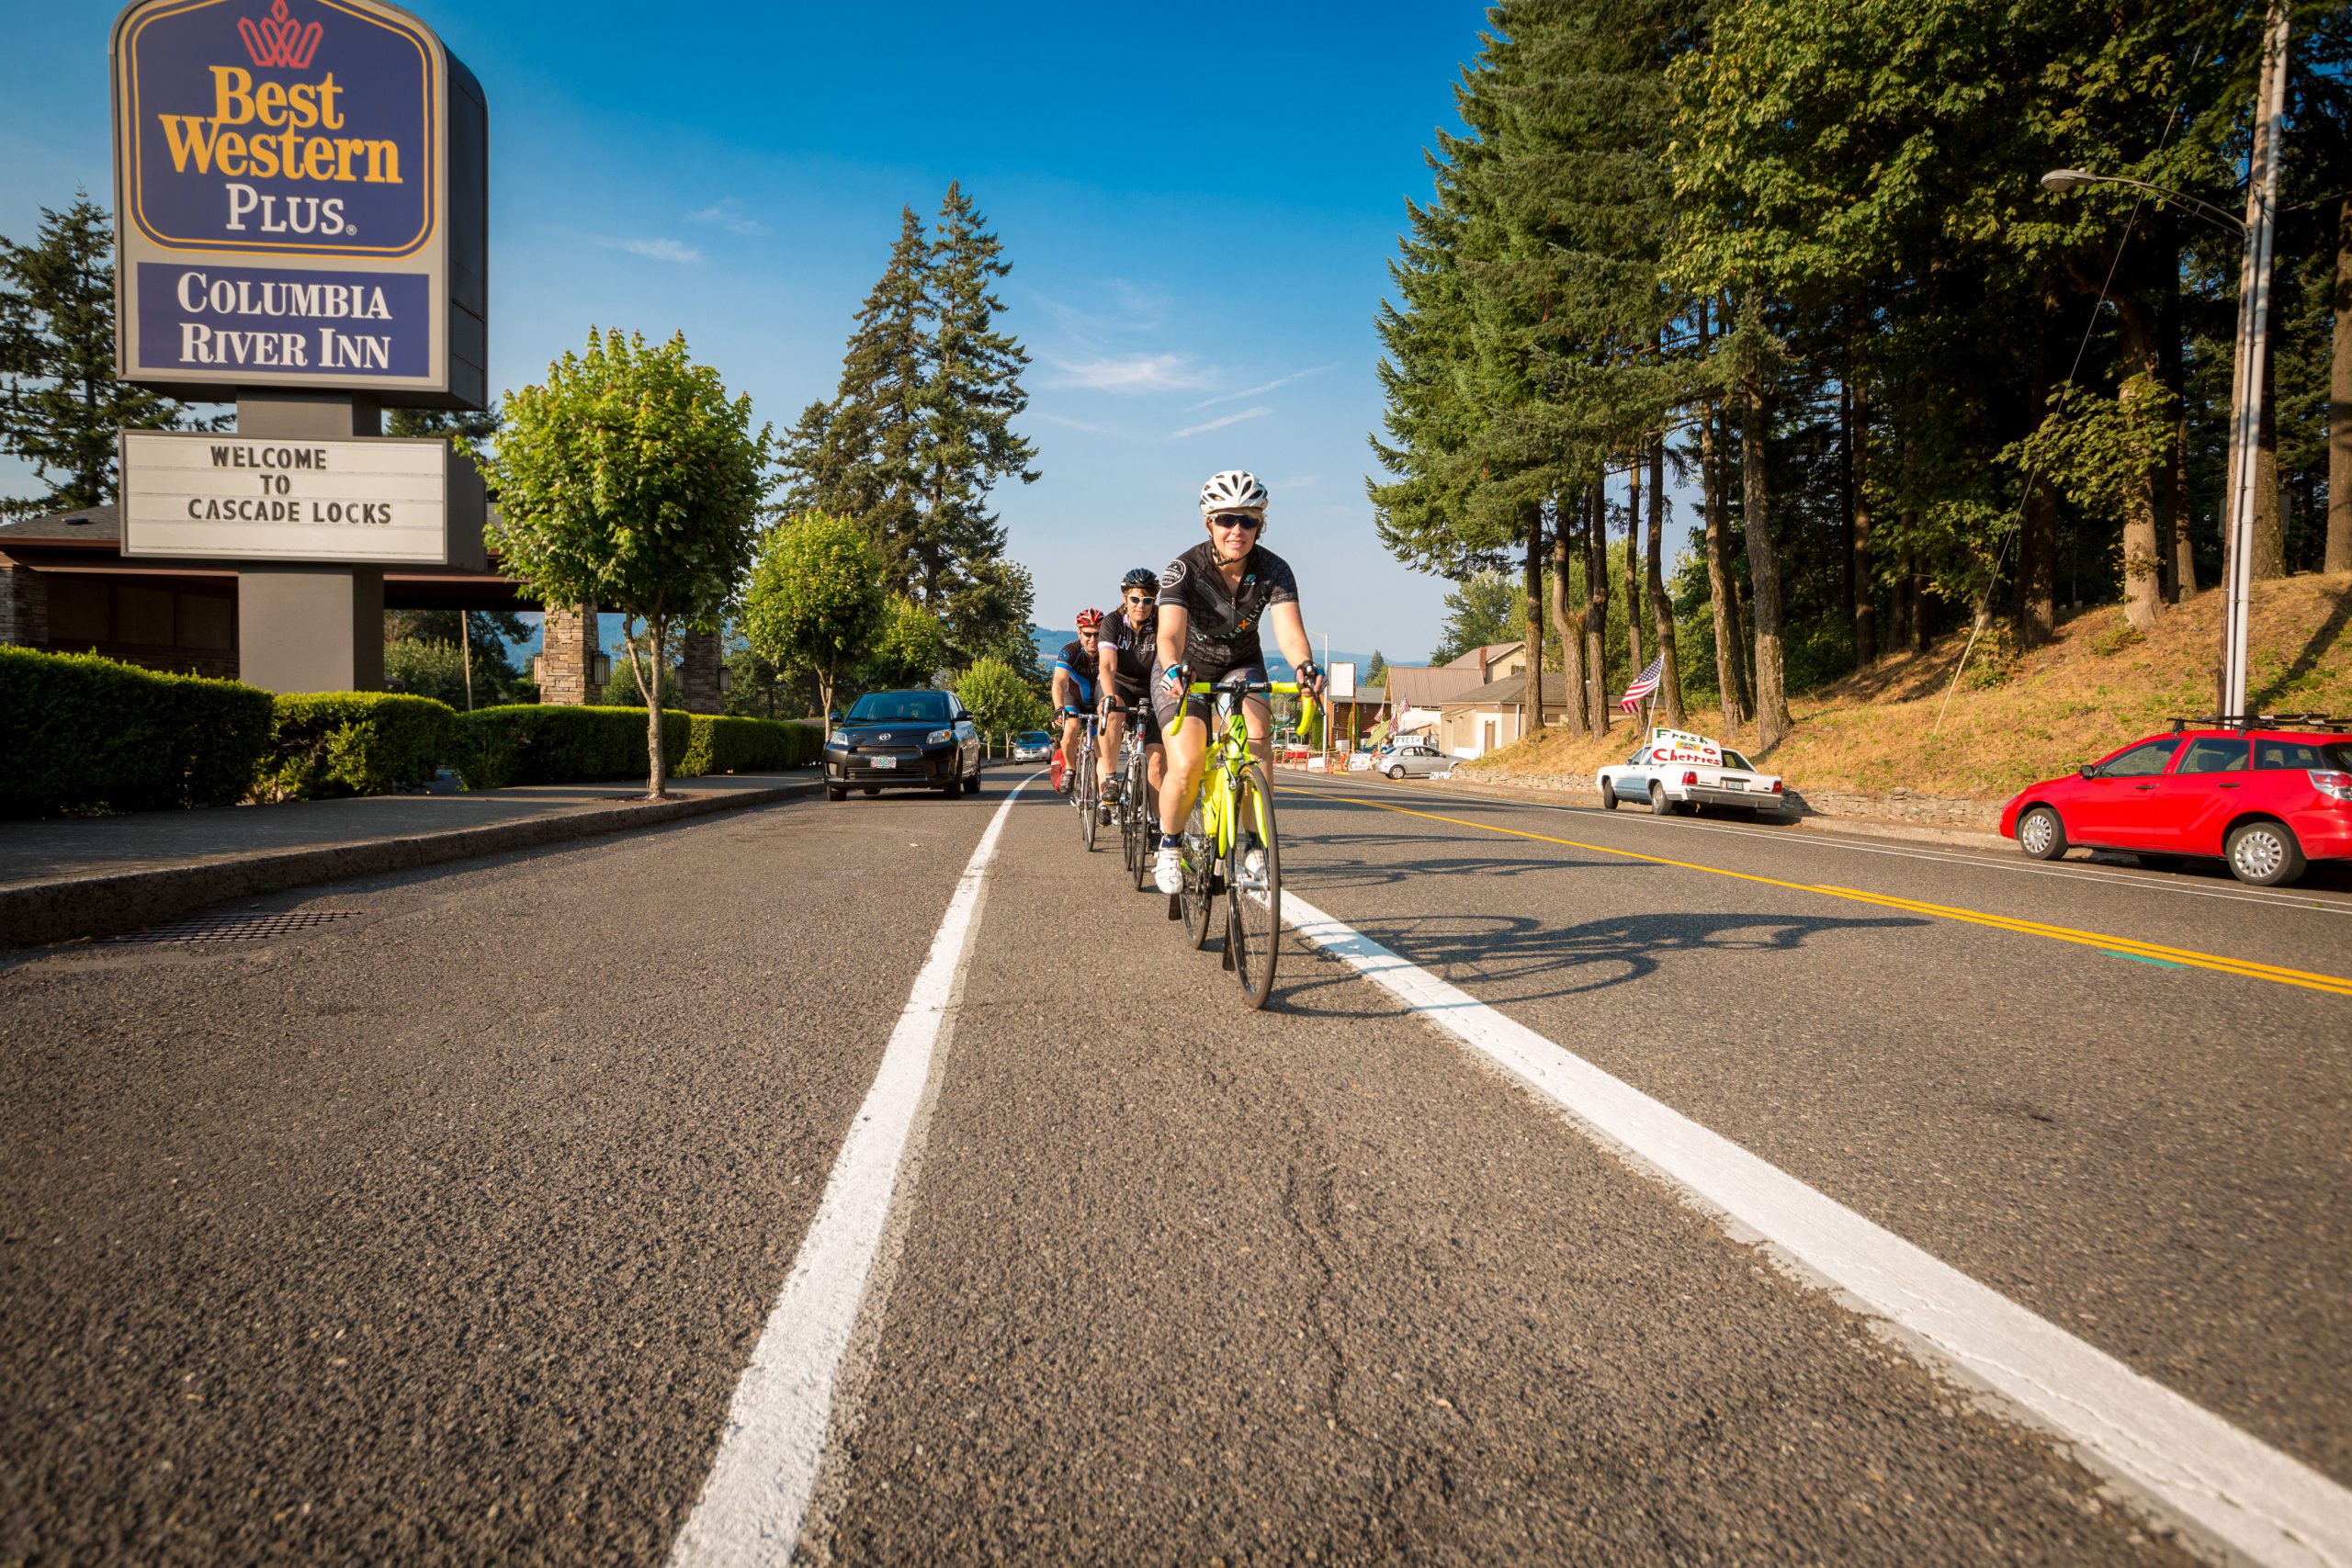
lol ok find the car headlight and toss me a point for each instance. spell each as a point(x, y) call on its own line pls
point(838, 738)
point(939, 738)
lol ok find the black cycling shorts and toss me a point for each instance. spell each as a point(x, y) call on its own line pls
point(1146, 716)
point(1174, 709)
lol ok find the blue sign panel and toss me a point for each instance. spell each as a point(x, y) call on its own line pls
point(212, 319)
point(286, 127)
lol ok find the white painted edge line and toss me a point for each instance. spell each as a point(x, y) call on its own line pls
point(757, 1493)
point(2191, 1465)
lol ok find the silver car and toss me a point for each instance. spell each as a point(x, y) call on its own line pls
point(1032, 745)
point(1418, 759)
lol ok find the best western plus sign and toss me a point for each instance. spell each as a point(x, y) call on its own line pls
point(301, 195)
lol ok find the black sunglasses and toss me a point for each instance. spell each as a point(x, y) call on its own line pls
point(1239, 520)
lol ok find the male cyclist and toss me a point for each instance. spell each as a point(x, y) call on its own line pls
point(1074, 676)
point(1212, 599)
point(1130, 643)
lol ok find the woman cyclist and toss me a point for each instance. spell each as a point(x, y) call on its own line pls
point(1130, 653)
point(1212, 600)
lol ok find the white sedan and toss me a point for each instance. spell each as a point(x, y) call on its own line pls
point(1679, 773)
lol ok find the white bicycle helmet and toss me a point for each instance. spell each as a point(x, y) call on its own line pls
point(1235, 490)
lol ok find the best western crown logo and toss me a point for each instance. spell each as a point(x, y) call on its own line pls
point(278, 39)
point(306, 127)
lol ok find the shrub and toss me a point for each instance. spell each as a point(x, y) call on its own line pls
point(557, 744)
point(560, 744)
point(715, 744)
point(339, 743)
point(91, 734)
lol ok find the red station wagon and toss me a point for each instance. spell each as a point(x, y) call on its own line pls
point(2265, 796)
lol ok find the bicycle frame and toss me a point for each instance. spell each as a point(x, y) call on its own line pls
point(1228, 753)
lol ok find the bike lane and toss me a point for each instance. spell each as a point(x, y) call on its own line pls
point(1180, 1281)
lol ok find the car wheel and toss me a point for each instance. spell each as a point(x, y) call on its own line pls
point(1659, 805)
point(835, 792)
point(2264, 854)
point(2041, 835)
point(1609, 801)
point(972, 785)
point(953, 788)
point(1396, 772)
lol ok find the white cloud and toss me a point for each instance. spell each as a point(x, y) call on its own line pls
point(657, 250)
point(1218, 423)
point(1073, 424)
point(1132, 373)
point(730, 214)
point(1268, 387)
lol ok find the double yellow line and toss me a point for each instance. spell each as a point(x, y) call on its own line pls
point(2122, 947)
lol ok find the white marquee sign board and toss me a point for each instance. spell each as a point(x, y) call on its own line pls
point(381, 500)
point(1342, 681)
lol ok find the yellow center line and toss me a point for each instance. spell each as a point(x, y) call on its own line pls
point(2127, 946)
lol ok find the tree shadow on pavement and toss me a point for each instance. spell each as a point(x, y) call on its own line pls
point(1514, 958)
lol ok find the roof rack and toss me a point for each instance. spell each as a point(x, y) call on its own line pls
point(2249, 721)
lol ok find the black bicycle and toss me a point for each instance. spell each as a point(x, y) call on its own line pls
point(1132, 805)
point(1085, 788)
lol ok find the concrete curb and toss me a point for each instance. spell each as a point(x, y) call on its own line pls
point(40, 912)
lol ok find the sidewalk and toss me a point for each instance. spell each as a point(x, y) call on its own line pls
point(80, 877)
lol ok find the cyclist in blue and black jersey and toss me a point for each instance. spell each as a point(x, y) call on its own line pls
point(1075, 672)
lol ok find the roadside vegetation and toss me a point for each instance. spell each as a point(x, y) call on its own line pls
point(2013, 719)
point(1800, 258)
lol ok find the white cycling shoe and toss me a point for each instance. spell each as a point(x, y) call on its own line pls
point(1168, 870)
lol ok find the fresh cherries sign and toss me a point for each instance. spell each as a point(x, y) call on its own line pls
point(284, 170)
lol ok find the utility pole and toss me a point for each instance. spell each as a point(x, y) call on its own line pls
point(2253, 353)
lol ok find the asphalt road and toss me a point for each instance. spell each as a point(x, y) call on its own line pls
point(446, 1231)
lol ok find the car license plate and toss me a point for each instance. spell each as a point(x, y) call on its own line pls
point(1734, 783)
point(883, 762)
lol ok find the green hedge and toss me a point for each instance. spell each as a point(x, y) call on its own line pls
point(551, 743)
point(716, 744)
point(89, 734)
point(338, 743)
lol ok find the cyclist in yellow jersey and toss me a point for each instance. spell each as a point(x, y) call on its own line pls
point(1212, 599)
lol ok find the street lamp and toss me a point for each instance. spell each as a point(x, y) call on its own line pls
point(2248, 360)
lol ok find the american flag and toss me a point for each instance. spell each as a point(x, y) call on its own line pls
point(1644, 685)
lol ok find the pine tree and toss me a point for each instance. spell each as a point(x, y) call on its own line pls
point(862, 456)
point(969, 402)
point(60, 403)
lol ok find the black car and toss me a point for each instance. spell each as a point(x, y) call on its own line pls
point(901, 741)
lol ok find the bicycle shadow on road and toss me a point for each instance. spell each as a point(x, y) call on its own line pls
point(1503, 959)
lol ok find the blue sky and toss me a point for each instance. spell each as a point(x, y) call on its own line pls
point(1199, 202)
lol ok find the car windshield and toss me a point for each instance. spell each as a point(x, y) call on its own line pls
point(899, 708)
point(1034, 738)
point(1734, 760)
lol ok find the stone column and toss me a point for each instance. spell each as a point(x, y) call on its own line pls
point(568, 655)
point(699, 670)
point(24, 605)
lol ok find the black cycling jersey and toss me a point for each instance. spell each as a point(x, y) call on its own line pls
point(1223, 631)
point(1138, 652)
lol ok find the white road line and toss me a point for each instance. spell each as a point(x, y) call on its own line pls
point(2153, 882)
point(2199, 1471)
point(757, 1493)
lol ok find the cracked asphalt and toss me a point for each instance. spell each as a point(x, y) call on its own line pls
point(442, 1233)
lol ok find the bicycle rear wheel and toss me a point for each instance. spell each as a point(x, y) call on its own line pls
point(1254, 895)
point(1200, 869)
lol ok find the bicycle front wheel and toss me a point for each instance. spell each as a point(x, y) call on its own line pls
point(1084, 791)
point(1254, 887)
point(1199, 896)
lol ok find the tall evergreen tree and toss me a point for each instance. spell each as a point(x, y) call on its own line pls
point(60, 403)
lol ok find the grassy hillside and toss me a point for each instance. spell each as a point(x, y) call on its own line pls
point(2013, 720)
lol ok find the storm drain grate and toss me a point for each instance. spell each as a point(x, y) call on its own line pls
point(237, 928)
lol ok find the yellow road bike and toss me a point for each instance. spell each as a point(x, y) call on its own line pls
point(1229, 843)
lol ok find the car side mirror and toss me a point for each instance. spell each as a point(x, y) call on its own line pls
point(2088, 770)
point(833, 717)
